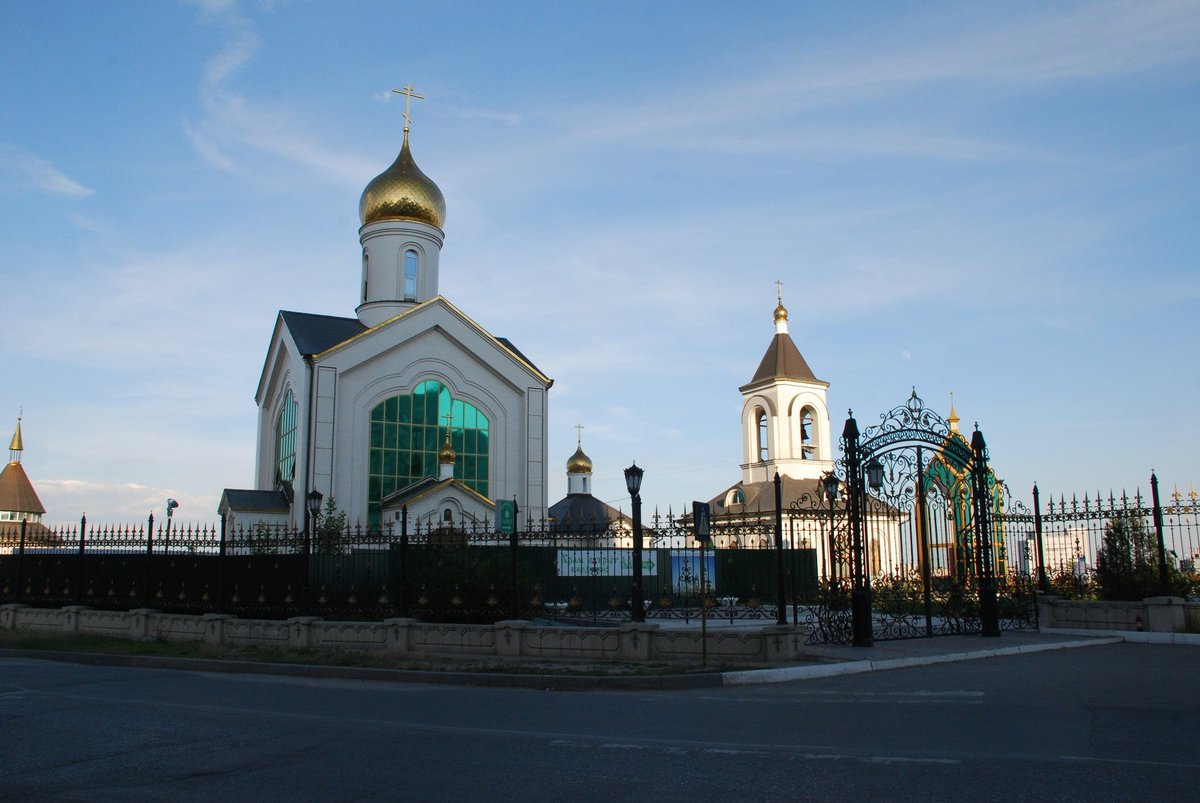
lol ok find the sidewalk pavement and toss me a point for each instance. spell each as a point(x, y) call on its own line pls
point(827, 661)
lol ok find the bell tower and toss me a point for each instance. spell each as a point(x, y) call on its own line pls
point(785, 414)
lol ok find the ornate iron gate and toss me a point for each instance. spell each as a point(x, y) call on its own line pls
point(923, 550)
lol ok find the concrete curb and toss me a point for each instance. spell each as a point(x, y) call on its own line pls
point(699, 680)
point(1133, 636)
point(785, 674)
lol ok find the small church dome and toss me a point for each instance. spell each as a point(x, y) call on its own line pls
point(446, 453)
point(403, 192)
point(780, 313)
point(579, 463)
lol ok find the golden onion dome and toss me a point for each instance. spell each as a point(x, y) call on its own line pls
point(780, 313)
point(579, 463)
point(446, 453)
point(402, 192)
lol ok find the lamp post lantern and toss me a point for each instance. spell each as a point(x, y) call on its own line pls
point(633, 483)
point(311, 512)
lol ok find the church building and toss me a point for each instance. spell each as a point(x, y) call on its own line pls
point(785, 430)
point(409, 401)
point(581, 513)
point(19, 501)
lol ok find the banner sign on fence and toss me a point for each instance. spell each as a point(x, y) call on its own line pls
point(506, 513)
point(603, 563)
point(685, 571)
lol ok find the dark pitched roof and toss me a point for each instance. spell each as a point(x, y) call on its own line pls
point(263, 501)
point(583, 512)
point(316, 333)
point(760, 496)
point(16, 491)
point(508, 344)
point(782, 361)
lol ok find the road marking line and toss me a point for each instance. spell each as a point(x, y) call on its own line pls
point(1131, 761)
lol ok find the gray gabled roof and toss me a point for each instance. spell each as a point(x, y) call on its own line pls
point(316, 333)
point(583, 512)
point(258, 501)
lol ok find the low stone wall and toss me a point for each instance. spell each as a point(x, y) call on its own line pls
point(1153, 615)
point(408, 637)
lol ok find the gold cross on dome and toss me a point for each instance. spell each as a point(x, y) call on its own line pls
point(779, 290)
point(408, 94)
point(579, 434)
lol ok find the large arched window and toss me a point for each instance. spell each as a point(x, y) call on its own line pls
point(285, 441)
point(408, 430)
point(410, 275)
point(760, 427)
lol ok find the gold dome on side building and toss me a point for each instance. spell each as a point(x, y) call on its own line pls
point(402, 192)
point(579, 463)
point(446, 453)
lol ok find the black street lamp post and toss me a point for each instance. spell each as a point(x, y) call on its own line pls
point(311, 510)
point(830, 483)
point(633, 483)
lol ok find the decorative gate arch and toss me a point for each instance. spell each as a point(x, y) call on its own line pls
point(922, 550)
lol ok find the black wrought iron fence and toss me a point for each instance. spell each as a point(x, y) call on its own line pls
point(468, 573)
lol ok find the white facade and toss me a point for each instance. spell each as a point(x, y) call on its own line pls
point(337, 389)
point(324, 375)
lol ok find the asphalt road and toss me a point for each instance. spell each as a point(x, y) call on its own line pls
point(1118, 722)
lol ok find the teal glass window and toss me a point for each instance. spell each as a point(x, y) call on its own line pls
point(285, 441)
point(407, 431)
point(410, 275)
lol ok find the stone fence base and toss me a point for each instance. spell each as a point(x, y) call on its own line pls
point(408, 637)
point(1152, 615)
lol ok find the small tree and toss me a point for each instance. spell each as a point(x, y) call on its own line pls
point(1127, 564)
point(330, 529)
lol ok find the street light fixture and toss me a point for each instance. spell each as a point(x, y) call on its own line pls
point(310, 520)
point(875, 474)
point(633, 483)
point(171, 505)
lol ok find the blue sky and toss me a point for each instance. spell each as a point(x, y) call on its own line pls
point(1000, 201)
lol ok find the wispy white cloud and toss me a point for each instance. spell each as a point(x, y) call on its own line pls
point(233, 120)
point(26, 169)
point(1062, 44)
